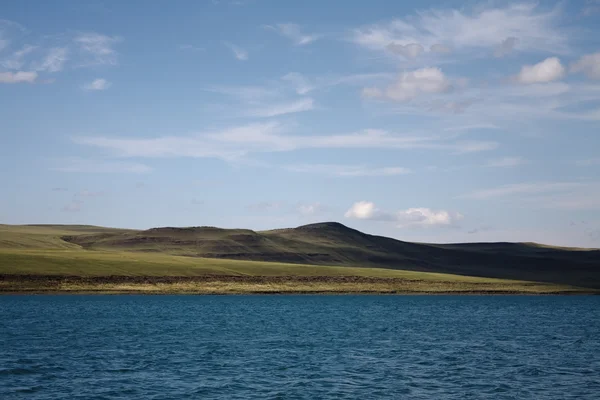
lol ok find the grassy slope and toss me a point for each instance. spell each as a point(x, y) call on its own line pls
point(335, 244)
point(39, 250)
point(82, 263)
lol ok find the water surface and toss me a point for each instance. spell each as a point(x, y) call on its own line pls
point(299, 347)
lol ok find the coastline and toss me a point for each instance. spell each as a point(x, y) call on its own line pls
point(244, 284)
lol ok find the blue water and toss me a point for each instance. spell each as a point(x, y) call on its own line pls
point(299, 347)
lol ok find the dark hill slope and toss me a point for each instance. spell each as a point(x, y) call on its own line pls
point(332, 243)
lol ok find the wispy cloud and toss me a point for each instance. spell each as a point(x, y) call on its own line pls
point(521, 188)
point(100, 166)
point(588, 64)
point(252, 95)
point(264, 101)
point(190, 47)
point(265, 206)
point(97, 49)
point(301, 84)
point(54, 60)
point(411, 50)
point(589, 162)
point(73, 206)
point(53, 53)
point(464, 128)
point(287, 93)
point(237, 51)
point(16, 60)
point(504, 105)
point(311, 209)
point(505, 47)
point(276, 109)
point(239, 141)
point(89, 193)
point(411, 217)
point(535, 28)
point(551, 195)
point(294, 33)
point(348, 170)
point(7, 30)
point(506, 162)
point(79, 199)
point(591, 7)
point(97, 84)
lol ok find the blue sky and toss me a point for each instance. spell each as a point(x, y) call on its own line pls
point(424, 121)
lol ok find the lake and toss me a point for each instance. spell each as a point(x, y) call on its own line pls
point(299, 347)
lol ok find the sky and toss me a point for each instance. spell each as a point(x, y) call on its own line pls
point(425, 121)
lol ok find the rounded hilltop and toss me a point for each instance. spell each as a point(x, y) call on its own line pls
point(324, 225)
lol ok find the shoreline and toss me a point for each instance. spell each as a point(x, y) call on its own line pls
point(269, 285)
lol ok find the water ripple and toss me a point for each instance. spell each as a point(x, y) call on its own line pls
point(299, 347)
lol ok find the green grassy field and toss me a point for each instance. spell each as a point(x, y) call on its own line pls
point(27, 252)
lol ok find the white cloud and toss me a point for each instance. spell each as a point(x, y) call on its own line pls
point(411, 217)
point(363, 210)
point(411, 50)
point(411, 84)
point(97, 84)
point(294, 33)
point(505, 47)
point(101, 166)
point(348, 170)
point(54, 60)
point(238, 52)
point(97, 48)
point(440, 48)
point(481, 27)
point(273, 110)
point(425, 217)
point(18, 77)
point(507, 162)
point(546, 71)
point(589, 64)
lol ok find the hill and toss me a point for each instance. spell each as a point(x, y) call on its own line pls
point(321, 244)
